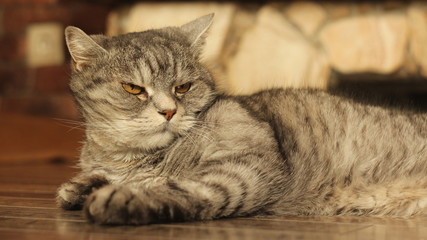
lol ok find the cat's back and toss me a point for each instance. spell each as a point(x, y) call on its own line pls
point(272, 103)
point(318, 129)
point(318, 112)
point(297, 113)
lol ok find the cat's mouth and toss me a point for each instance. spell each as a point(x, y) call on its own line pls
point(174, 128)
point(166, 127)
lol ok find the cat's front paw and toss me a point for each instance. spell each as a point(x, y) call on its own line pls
point(71, 195)
point(115, 204)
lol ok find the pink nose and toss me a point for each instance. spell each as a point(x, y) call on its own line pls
point(168, 114)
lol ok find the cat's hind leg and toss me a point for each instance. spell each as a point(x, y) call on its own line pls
point(406, 197)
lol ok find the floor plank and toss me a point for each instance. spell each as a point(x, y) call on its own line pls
point(27, 201)
point(230, 230)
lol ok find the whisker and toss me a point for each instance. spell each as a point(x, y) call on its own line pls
point(71, 124)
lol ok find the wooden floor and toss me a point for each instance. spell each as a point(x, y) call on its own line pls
point(28, 211)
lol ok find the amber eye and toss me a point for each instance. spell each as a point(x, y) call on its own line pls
point(183, 88)
point(133, 89)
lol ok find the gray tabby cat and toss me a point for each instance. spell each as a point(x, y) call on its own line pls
point(162, 145)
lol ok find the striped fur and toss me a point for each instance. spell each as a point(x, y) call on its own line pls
point(295, 152)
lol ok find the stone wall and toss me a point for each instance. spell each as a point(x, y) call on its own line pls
point(297, 44)
point(43, 89)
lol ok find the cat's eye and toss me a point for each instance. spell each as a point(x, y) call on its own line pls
point(183, 88)
point(133, 89)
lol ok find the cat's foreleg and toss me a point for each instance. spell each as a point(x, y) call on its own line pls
point(171, 201)
point(181, 199)
point(72, 194)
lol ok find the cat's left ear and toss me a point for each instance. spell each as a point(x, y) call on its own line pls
point(196, 30)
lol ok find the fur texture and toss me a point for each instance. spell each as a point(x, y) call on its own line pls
point(277, 152)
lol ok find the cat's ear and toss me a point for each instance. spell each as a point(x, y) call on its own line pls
point(83, 49)
point(196, 30)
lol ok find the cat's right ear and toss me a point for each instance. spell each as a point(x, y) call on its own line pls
point(83, 49)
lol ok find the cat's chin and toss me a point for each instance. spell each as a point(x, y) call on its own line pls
point(158, 140)
point(136, 150)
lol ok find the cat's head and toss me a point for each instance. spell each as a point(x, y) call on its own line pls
point(141, 90)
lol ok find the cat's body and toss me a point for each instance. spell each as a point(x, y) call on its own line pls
point(167, 147)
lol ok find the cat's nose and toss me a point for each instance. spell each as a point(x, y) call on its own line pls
point(168, 114)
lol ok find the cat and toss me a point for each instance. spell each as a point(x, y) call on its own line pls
point(163, 145)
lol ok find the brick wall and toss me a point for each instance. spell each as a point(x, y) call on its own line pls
point(40, 90)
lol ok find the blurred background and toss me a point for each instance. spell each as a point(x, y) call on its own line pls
point(373, 50)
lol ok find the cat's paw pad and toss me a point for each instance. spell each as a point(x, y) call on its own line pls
point(115, 205)
point(71, 195)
